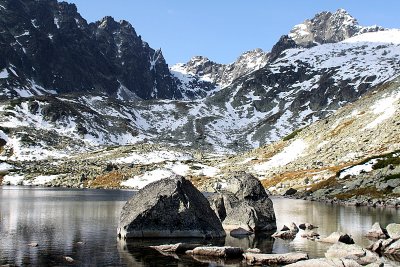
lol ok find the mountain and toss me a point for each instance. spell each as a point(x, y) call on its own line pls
point(221, 75)
point(327, 27)
point(257, 100)
point(352, 153)
point(46, 47)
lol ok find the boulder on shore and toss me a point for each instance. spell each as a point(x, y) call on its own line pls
point(274, 259)
point(244, 203)
point(377, 231)
point(360, 255)
point(170, 207)
point(393, 230)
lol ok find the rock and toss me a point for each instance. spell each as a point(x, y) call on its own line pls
point(394, 248)
point(293, 227)
point(244, 204)
point(338, 237)
point(310, 235)
point(325, 263)
point(396, 190)
point(253, 250)
point(360, 255)
point(176, 248)
point(170, 207)
point(307, 226)
point(274, 259)
point(34, 244)
point(221, 252)
point(377, 246)
point(285, 234)
point(393, 230)
point(240, 232)
point(377, 231)
point(69, 259)
point(290, 192)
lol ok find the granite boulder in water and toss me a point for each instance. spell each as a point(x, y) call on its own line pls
point(170, 207)
point(244, 203)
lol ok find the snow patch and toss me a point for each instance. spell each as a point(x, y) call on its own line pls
point(13, 179)
point(358, 169)
point(140, 181)
point(289, 154)
point(386, 108)
point(4, 74)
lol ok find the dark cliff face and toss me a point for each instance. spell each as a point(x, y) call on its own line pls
point(49, 45)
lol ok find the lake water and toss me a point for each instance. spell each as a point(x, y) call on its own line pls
point(81, 224)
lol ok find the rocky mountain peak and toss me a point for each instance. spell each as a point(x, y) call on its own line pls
point(327, 27)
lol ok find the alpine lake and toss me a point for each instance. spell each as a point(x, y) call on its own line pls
point(77, 227)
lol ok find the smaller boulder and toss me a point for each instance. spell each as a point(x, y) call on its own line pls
point(274, 259)
point(377, 231)
point(393, 230)
point(307, 226)
point(354, 252)
point(394, 248)
point(285, 234)
point(219, 252)
point(176, 248)
point(239, 232)
point(310, 235)
point(290, 192)
point(338, 237)
point(323, 262)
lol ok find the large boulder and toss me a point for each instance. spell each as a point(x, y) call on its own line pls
point(244, 203)
point(170, 207)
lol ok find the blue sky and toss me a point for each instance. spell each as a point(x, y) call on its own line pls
point(220, 29)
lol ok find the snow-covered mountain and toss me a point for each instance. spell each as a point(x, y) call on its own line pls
point(327, 27)
point(221, 75)
point(46, 47)
point(256, 100)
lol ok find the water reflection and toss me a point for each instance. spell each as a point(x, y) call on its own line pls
point(82, 224)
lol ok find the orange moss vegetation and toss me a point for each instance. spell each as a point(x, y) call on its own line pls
point(366, 191)
point(295, 175)
point(340, 128)
point(198, 181)
point(109, 180)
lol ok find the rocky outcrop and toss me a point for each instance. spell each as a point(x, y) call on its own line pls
point(244, 203)
point(307, 226)
point(274, 259)
point(327, 27)
point(170, 207)
point(48, 48)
